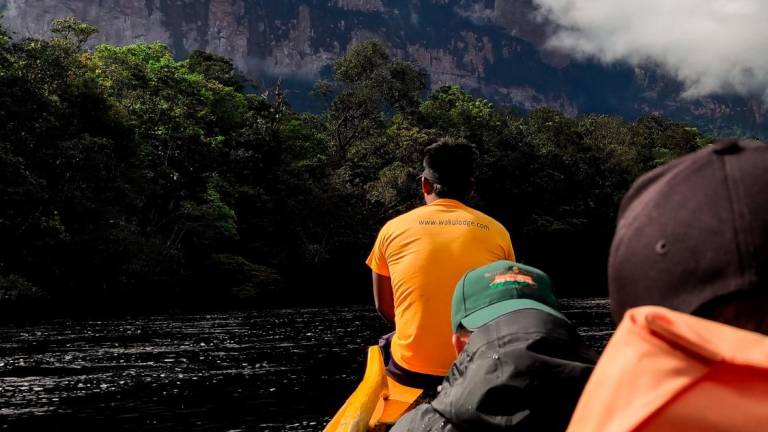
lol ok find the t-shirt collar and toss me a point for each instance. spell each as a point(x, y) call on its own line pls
point(447, 202)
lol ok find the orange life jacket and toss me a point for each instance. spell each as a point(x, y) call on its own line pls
point(667, 371)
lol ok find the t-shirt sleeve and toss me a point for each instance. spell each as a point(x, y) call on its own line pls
point(509, 251)
point(377, 259)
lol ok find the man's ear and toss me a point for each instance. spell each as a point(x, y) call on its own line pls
point(460, 341)
point(426, 186)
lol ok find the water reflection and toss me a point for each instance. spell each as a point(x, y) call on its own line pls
point(267, 371)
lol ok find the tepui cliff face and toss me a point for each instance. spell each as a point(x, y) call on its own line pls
point(492, 48)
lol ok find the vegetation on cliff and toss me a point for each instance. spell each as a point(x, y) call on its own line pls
point(128, 177)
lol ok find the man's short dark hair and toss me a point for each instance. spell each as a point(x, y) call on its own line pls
point(449, 164)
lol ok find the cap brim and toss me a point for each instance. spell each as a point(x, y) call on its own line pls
point(487, 314)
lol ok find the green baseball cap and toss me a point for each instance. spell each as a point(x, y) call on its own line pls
point(488, 292)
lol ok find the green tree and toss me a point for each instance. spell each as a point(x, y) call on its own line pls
point(72, 30)
point(215, 68)
point(451, 110)
point(371, 88)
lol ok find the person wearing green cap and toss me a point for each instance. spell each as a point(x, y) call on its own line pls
point(521, 364)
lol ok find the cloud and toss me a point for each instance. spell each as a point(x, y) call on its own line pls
point(712, 46)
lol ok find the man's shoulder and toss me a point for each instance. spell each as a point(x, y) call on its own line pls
point(487, 219)
point(402, 219)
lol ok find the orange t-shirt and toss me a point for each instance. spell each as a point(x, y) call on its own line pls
point(425, 252)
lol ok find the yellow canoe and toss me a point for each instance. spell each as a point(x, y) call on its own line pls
point(377, 402)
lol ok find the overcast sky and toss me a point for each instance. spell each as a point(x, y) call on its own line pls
point(712, 46)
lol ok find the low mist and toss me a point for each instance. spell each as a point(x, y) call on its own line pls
point(711, 46)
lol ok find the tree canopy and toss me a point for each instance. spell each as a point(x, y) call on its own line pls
point(130, 178)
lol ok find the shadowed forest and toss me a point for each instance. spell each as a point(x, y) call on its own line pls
point(134, 181)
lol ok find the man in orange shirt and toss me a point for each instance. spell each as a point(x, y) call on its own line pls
point(688, 278)
point(419, 256)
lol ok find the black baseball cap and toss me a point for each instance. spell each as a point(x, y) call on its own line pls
point(693, 230)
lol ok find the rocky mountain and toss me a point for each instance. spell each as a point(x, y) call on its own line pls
point(493, 48)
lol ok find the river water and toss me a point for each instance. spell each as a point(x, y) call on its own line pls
point(281, 370)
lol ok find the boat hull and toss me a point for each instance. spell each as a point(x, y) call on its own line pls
point(377, 402)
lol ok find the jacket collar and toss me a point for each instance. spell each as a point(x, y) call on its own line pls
point(655, 355)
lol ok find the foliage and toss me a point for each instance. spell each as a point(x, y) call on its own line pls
point(73, 31)
point(4, 37)
point(127, 175)
point(215, 68)
point(16, 289)
point(449, 108)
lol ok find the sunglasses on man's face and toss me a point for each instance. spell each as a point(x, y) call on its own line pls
point(426, 175)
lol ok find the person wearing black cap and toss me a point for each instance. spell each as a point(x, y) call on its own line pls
point(521, 366)
point(688, 281)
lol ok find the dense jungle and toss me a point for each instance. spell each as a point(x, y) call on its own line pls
point(131, 180)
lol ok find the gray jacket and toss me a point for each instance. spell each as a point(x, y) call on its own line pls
point(524, 371)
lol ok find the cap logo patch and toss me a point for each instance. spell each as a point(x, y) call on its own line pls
point(511, 279)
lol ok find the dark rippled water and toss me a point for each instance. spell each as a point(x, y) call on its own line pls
point(284, 370)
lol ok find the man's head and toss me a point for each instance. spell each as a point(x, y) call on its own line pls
point(693, 236)
point(449, 169)
point(496, 289)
